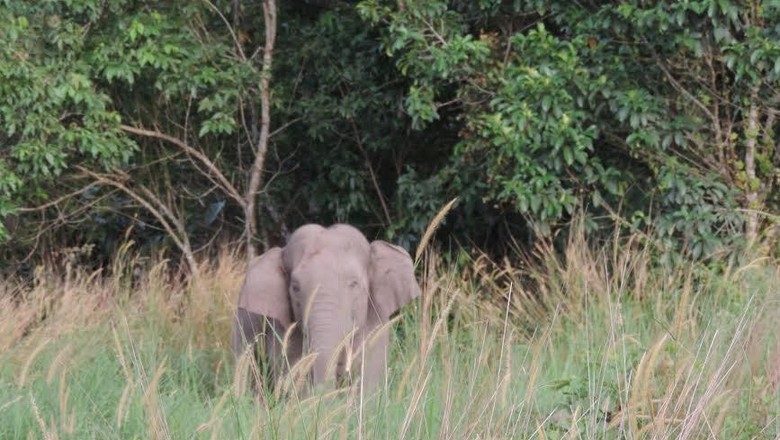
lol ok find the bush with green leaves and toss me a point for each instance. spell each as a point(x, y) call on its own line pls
point(652, 107)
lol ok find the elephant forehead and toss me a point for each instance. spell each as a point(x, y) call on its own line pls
point(330, 265)
point(338, 241)
point(348, 245)
point(347, 232)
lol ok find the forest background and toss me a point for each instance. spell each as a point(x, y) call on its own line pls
point(171, 124)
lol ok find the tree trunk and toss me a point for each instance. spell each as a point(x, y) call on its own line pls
point(751, 196)
point(256, 172)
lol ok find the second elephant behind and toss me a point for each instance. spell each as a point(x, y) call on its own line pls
point(339, 289)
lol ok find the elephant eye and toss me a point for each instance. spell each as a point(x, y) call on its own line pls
point(353, 284)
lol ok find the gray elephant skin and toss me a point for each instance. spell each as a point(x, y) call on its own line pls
point(335, 292)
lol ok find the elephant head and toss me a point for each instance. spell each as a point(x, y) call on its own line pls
point(338, 288)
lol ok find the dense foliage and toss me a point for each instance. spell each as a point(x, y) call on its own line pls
point(126, 119)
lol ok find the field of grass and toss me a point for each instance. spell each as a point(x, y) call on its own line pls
point(590, 343)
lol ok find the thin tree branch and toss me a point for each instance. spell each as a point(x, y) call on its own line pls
point(172, 225)
point(58, 200)
point(284, 127)
point(236, 40)
point(751, 136)
point(677, 86)
point(379, 194)
point(212, 168)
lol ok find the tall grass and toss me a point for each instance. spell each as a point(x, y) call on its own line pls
point(587, 343)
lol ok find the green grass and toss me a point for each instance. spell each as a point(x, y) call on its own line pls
point(600, 345)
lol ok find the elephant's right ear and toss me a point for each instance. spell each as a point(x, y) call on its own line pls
point(265, 288)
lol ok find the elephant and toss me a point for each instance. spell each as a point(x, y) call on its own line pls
point(329, 294)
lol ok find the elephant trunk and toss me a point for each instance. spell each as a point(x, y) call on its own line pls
point(330, 342)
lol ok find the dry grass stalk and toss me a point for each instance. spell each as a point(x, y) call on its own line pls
point(22, 377)
point(158, 425)
point(47, 433)
point(432, 226)
point(640, 403)
point(67, 417)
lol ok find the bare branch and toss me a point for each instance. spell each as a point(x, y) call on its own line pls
point(438, 36)
point(171, 223)
point(236, 40)
point(374, 181)
point(222, 181)
point(677, 86)
point(284, 127)
point(58, 200)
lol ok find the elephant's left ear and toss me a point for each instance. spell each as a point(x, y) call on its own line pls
point(392, 281)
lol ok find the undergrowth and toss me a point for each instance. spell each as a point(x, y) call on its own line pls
point(588, 343)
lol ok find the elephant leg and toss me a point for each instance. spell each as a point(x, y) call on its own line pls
point(265, 338)
point(371, 357)
point(246, 327)
point(294, 347)
point(279, 358)
point(283, 350)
